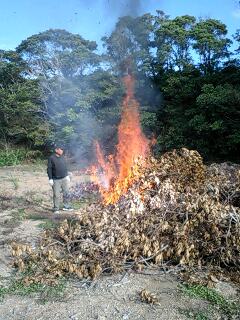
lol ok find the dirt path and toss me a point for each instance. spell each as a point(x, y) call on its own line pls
point(25, 204)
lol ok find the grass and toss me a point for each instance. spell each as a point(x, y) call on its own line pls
point(15, 182)
point(217, 301)
point(43, 292)
point(38, 165)
point(11, 156)
point(38, 200)
point(37, 216)
point(11, 202)
point(34, 197)
point(78, 204)
point(48, 224)
point(18, 288)
point(196, 315)
point(55, 292)
point(19, 214)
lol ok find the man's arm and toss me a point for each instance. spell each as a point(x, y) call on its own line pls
point(49, 168)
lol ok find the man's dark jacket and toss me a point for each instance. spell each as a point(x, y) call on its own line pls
point(57, 167)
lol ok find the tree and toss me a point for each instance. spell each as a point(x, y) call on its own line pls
point(129, 45)
point(201, 112)
point(210, 43)
point(173, 41)
point(180, 90)
point(87, 110)
point(217, 115)
point(57, 52)
point(21, 118)
point(61, 62)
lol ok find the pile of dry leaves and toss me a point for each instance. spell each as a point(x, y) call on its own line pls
point(178, 211)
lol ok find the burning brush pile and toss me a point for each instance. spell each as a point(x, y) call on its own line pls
point(178, 211)
point(171, 210)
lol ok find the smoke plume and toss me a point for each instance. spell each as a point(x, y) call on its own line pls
point(125, 8)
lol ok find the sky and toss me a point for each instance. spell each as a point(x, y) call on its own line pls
point(93, 19)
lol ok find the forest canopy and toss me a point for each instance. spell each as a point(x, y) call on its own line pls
point(57, 86)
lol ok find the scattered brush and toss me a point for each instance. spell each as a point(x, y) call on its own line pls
point(83, 190)
point(148, 297)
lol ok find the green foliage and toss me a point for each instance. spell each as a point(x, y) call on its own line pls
point(20, 214)
point(15, 182)
point(173, 40)
point(148, 121)
point(21, 112)
point(198, 114)
point(56, 87)
point(237, 38)
point(11, 156)
point(47, 224)
point(57, 52)
point(210, 43)
point(177, 38)
point(196, 315)
point(228, 308)
point(129, 45)
point(220, 107)
point(20, 289)
point(44, 292)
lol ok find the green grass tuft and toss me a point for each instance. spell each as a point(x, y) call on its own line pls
point(47, 224)
point(19, 215)
point(44, 292)
point(195, 315)
point(228, 308)
point(12, 156)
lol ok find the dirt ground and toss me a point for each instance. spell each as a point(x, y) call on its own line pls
point(25, 207)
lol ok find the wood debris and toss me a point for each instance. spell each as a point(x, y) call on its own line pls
point(178, 211)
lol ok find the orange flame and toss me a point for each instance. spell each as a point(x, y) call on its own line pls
point(115, 174)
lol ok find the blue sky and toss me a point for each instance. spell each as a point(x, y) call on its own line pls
point(93, 19)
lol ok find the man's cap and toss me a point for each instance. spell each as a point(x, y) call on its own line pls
point(59, 146)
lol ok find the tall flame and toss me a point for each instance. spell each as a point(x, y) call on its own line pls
point(115, 174)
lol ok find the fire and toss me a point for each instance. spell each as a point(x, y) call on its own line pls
point(115, 174)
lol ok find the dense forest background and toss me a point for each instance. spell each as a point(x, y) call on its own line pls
point(56, 86)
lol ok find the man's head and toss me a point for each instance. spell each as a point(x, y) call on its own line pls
point(59, 149)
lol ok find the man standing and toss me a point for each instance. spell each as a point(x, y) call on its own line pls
point(59, 179)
